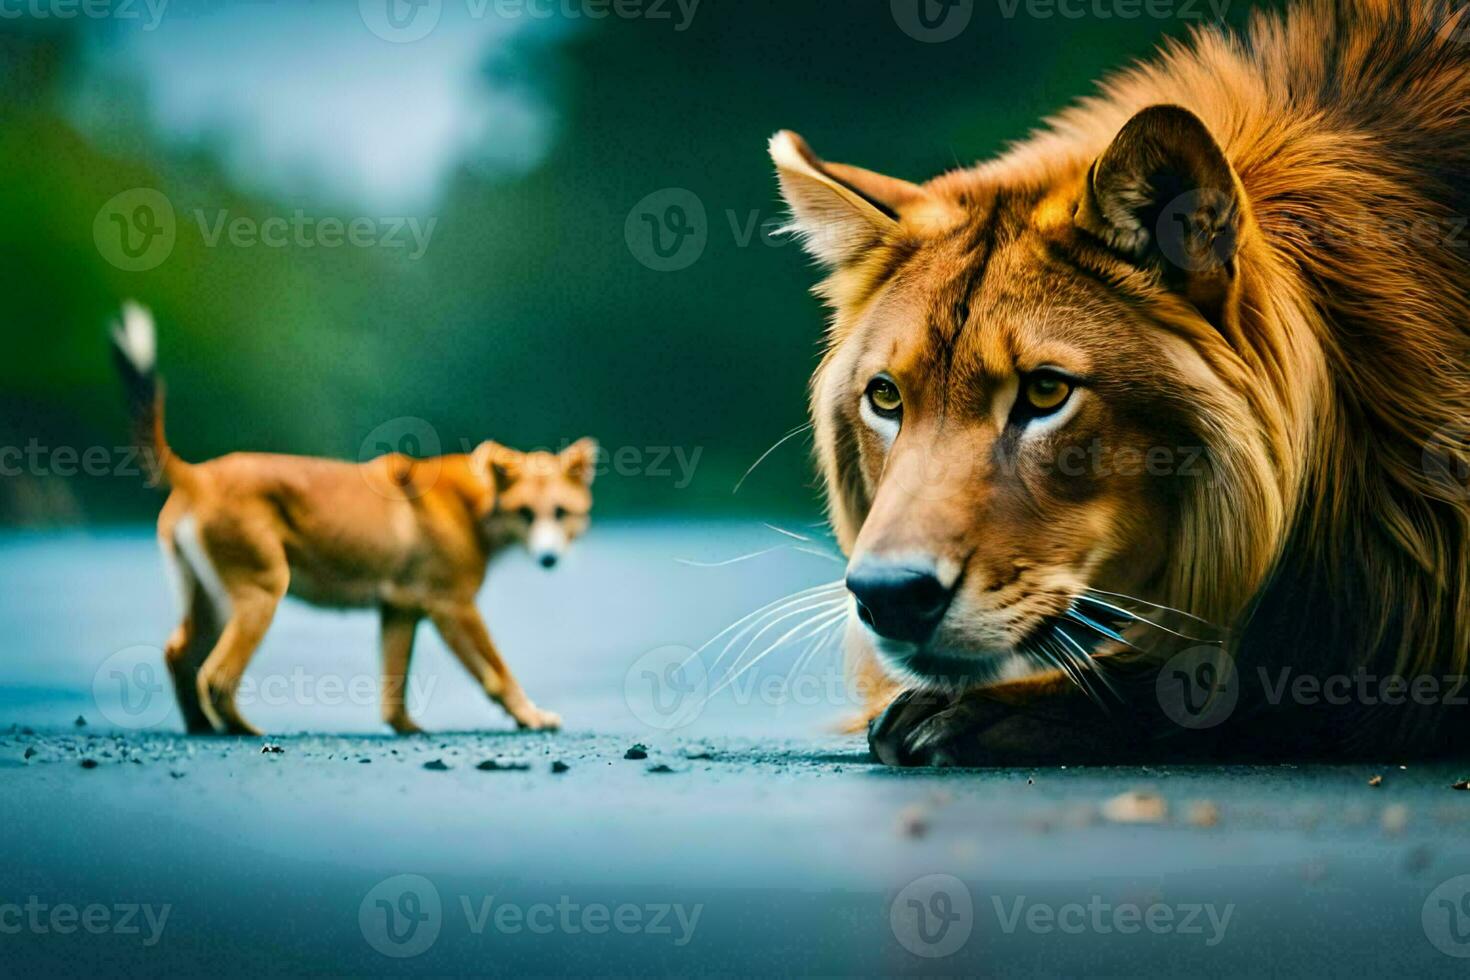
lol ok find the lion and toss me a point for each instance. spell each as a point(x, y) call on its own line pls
point(1148, 439)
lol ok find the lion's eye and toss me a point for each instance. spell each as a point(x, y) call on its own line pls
point(1045, 393)
point(883, 396)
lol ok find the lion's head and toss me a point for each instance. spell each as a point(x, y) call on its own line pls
point(1037, 394)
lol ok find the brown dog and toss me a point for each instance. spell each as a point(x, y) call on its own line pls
point(411, 537)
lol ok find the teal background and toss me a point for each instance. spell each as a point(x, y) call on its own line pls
point(528, 318)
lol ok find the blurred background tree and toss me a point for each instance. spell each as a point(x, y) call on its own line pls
point(527, 142)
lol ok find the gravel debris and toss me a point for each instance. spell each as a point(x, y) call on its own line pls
point(913, 821)
point(1136, 807)
point(1203, 813)
point(495, 765)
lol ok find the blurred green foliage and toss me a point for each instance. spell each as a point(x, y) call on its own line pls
point(528, 319)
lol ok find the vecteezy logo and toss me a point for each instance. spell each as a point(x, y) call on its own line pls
point(414, 470)
point(135, 230)
point(1199, 687)
point(1446, 917)
point(665, 688)
point(1196, 230)
point(129, 689)
point(1447, 459)
point(932, 21)
point(400, 21)
point(401, 916)
point(667, 230)
point(932, 917)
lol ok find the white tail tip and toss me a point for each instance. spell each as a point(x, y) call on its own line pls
point(135, 337)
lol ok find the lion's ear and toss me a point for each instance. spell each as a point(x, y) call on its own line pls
point(1164, 196)
point(838, 211)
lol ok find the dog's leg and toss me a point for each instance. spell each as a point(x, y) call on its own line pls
point(398, 629)
point(252, 609)
point(185, 651)
point(464, 631)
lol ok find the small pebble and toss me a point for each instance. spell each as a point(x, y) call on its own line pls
point(1135, 807)
point(271, 749)
point(558, 766)
point(30, 751)
point(1376, 781)
point(660, 768)
point(912, 821)
point(1203, 814)
point(81, 722)
point(1461, 785)
point(89, 763)
point(491, 765)
point(638, 751)
point(436, 765)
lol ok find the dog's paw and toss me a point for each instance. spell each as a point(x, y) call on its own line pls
point(404, 726)
point(536, 720)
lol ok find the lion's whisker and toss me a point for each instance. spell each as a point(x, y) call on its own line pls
point(1135, 618)
point(1084, 658)
point(774, 446)
point(1093, 624)
point(730, 561)
point(1154, 605)
point(812, 604)
point(822, 640)
point(1053, 655)
point(795, 597)
point(826, 619)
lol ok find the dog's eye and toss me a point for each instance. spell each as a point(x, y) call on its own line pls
point(561, 513)
point(527, 514)
point(883, 396)
point(1045, 393)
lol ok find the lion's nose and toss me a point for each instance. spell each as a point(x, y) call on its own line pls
point(898, 601)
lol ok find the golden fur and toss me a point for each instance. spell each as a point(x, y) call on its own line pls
point(1254, 247)
point(409, 537)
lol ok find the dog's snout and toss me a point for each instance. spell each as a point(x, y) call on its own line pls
point(547, 561)
point(899, 601)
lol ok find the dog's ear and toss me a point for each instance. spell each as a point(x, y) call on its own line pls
point(496, 465)
point(579, 460)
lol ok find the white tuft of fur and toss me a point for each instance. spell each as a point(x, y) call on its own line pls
point(190, 544)
point(136, 338)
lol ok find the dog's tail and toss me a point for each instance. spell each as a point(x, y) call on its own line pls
point(135, 353)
